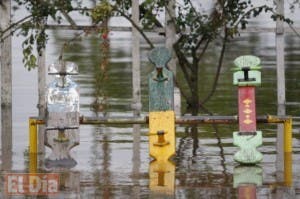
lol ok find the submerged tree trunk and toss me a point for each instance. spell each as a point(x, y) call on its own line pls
point(193, 106)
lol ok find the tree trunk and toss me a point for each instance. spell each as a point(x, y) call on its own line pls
point(194, 89)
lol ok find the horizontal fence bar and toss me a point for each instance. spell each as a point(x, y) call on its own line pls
point(113, 120)
point(160, 30)
point(180, 120)
point(292, 103)
point(91, 27)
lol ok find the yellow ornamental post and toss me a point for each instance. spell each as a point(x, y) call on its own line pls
point(161, 124)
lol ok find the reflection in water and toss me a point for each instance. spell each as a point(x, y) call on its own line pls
point(105, 167)
point(102, 176)
point(101, 151)
point(194, 135)
point(222, 154)
point(247, 175)
point(69, 184)
point(192, 132)
point(136, 160)
point(246, 191)
point(162, 179)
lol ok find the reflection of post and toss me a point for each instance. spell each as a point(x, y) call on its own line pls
point(136, 160)
point(247, 192)
point(105, 168)
point(162, 178)
point(245, 179)
point(70, 184)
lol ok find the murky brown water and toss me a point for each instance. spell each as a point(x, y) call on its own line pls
point(113, 160)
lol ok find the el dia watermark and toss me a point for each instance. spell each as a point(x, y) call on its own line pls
point(31, 183)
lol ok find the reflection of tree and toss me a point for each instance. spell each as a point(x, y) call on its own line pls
point(105, 168)
point(222, 155)
point(191, 132)
point(101, 163)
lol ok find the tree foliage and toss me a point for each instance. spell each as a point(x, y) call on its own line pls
point(33, 28)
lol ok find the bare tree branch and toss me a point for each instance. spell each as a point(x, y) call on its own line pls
point(136, 26)
point(220, 63)
point(68, 18)
point(15, 25)
point(183, 62)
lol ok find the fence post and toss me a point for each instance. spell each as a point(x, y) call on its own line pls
point(280, 84)
point(6, 82)
point(136, 79)
point(161, 124)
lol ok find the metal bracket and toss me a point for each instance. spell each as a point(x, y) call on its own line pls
point(161, 139)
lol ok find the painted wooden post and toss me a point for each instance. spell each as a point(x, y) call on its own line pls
point(161, 124)
point(161, 85)
point(6, 83)
point(136, 81)
point(170, 40)
point(247, 138)
point(280, 84)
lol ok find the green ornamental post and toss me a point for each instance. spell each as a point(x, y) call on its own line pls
point(247, 76)
point(161, 89)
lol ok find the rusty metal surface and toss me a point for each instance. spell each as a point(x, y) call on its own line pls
point(84, 120)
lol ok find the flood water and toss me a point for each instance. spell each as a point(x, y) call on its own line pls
point(113, 160)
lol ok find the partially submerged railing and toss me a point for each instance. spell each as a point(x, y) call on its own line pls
point(184, 120)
